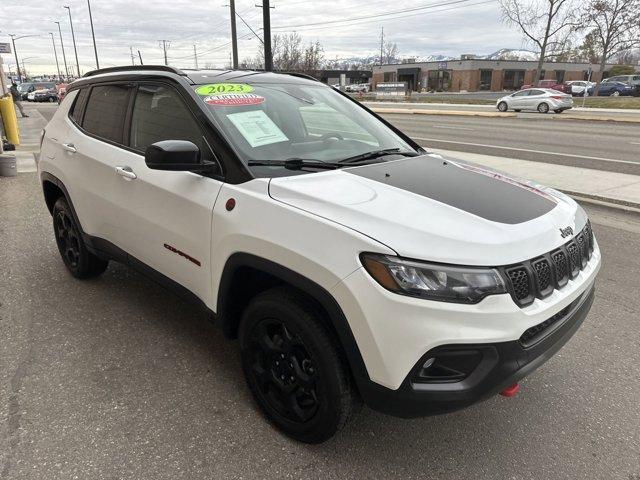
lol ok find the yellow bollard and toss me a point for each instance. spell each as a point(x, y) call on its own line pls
point(10, 120)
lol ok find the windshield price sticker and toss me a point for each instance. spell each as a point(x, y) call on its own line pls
point(223, 88)
point(234, 99)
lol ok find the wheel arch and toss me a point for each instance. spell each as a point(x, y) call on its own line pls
point(244, 275)
point(53, 188)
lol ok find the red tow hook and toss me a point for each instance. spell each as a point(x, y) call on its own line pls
point(511, 391)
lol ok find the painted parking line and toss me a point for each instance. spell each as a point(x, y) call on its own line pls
point(515, 149)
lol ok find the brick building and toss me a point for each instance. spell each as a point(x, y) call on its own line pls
point(473, 75)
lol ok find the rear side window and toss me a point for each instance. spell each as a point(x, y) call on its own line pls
point(78, 106)
point(106, 111)
point(159, 113)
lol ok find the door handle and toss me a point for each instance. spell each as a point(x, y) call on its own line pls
point(69, 147)
point(126, 172)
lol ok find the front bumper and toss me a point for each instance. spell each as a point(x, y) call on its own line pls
point(501, 364)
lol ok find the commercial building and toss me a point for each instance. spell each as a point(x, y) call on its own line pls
point(473, 75)
point(332, 77)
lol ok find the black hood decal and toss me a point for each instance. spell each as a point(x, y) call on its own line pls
point(467, 187)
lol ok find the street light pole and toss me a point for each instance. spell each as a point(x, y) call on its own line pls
point(73, 37)
point(55, 52)
point(15, 52)
point(95, 49)
point(64, 56)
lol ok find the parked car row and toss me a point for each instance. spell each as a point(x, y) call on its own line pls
point(621, 85)
point(613, 89)
point(42, 91)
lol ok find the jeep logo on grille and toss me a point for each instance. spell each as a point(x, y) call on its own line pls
point(565, 232)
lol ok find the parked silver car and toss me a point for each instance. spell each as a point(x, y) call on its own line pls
point(540, 99)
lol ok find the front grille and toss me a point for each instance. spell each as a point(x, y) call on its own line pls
point(539, 277)
point(520, 282)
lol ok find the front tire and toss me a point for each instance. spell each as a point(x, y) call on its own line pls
point(78, 260)
point(503, 107)
point(559, 110)
point(294, 367)
point(543, 107)
point(615, 94)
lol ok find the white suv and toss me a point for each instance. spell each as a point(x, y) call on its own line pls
point(353, 265)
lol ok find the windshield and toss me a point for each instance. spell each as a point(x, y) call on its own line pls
point(24, 87)
point(278, 122)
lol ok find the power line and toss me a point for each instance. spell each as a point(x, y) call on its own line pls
point(376, 15)
point(362, 22)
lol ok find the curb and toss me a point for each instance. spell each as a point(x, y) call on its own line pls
point(630, 207)
point(472, 113)
point(424, 111)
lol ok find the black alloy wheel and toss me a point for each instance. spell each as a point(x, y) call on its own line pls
point(294, 365)
point(284, 371)
point(67, 237)
point(75, 255)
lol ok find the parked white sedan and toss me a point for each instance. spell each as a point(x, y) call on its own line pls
point(540, 99)
point(578, 86)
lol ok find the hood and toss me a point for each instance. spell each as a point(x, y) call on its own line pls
point(437, 209)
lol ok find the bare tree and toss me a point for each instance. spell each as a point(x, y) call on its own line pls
point(312, 58)
point(390, 51)
point(287, 51)
point(545, 23)
point(615, 25)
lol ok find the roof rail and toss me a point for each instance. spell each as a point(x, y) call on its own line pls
point(125, 68)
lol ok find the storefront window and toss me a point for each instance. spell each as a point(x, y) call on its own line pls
point(485, 79)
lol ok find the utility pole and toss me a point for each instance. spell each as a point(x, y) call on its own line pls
point(64, 56)
point(133, 62)
point(266, 25)
point(164, 47)
point(55, 52)
point(15, 52)
point(234, 36)
point(73, 37)
point(381, 44)
point(195, 56)
point(95, 49)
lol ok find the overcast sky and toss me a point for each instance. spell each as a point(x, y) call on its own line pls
point(448, 27)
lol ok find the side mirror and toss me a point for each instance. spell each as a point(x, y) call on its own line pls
point(175, 155)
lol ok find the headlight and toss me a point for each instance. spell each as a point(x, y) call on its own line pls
point(444, 283)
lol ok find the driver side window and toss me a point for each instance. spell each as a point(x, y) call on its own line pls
point(160, 114)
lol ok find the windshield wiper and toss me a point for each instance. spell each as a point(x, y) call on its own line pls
point(376, 154)
point(295, 164)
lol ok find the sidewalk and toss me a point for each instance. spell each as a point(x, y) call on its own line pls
point(461, 109)
point(618, 189)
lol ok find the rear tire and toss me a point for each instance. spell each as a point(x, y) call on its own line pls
point(294, 367)
point(559, 110)
point(543, 107)
point(78, 260)
point(503, 107)
point(517, 110)
point(615, 94)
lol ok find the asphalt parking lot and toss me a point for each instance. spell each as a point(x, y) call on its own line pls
point(115, 378)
